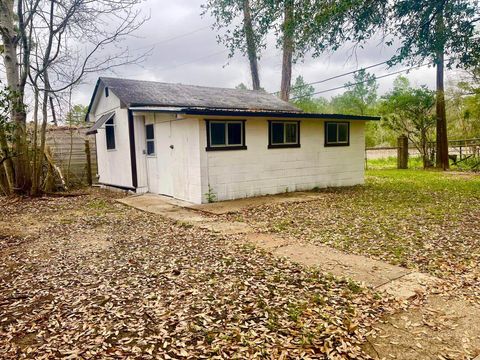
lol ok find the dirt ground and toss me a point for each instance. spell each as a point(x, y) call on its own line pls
point(87, 277)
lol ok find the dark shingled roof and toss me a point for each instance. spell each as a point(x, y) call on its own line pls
point(151, 93)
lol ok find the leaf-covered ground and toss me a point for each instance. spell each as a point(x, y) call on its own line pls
point(425, 220)
point(85, 277)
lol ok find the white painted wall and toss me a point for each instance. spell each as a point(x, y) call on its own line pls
point(259, 170)
point(231, 174)
point(113, 165)
point(177, 168)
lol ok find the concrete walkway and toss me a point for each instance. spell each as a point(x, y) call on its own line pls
point(394, 280)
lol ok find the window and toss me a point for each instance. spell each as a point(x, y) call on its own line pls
point(283, 134)
point(150, 138)
point(107, 92)
point(337, 134)
point(110, 134)
point(225, 135)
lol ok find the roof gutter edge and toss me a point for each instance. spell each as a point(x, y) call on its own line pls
point(250, 113)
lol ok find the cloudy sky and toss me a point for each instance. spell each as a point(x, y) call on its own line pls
point(184, 50)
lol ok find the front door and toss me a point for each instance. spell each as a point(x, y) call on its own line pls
point(151, 157)
point(159, 155)
point(165, 150)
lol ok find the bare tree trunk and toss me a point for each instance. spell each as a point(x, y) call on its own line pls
point(54, 116)
point(35, 143)
point(7, 165)
point(442, 161)
point(70, 125)
point(288, 27)
point(423, 145)
point(251, 45)
point(10, 39)
point(43, 131)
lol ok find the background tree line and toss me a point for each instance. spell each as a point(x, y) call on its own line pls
point(443, 33)
point(405, 109)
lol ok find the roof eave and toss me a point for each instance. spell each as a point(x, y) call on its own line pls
point(278, 114)
point(92, 99)
point(250, 113)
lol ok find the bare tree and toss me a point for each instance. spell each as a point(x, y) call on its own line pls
point(15, 20)
point(244, 25)
point(60, 43)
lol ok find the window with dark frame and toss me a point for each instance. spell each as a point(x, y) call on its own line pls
point(150, 139)
point(110, 134)
point(337, 133)
point(225, 134)
point(282, 134)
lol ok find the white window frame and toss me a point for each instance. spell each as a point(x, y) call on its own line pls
point(147, 140)
point(113, 125)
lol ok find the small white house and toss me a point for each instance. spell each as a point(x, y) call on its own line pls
point(197, 143)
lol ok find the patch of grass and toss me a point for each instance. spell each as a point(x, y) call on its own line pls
point(318, 299)
point(354, 287)
point(295, 311)
point(414, 162)
point(472, 163)
point(422, 219)
point(281, 225)
point(184, 224)
point(98, 204)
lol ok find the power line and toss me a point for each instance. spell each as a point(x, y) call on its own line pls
point(361, 82)
point(180, 36)
point(336, 76)
point(183, 35)
point(193, 61)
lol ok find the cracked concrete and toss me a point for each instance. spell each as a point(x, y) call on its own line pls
point(181, 212)
point(395, 280)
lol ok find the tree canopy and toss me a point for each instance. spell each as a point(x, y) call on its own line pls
point(360, 96)
point(408, 111)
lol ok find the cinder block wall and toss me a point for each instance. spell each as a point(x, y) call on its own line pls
point(260, 171)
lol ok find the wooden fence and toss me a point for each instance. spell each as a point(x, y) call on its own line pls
point(68, 146)
point(458, 151)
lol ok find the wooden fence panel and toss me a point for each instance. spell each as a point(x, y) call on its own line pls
point(68, 149)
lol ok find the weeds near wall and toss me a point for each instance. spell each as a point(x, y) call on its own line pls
point(210, 195)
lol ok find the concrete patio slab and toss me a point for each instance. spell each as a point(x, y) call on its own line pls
point(230, 206)
point(408, 285)
point(178, 210)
